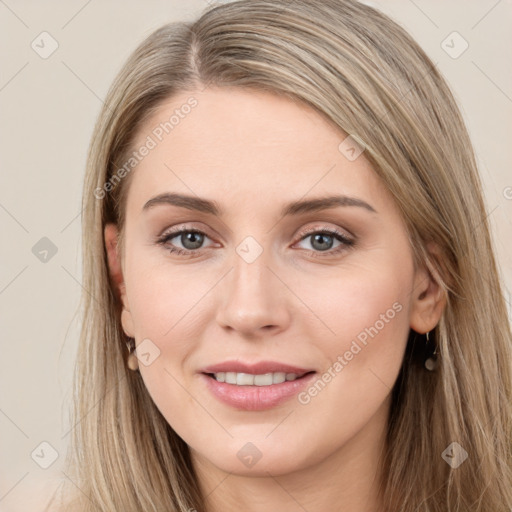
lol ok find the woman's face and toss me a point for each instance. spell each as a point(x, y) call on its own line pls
point(265, 280)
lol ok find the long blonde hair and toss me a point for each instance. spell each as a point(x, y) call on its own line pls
point(367, 76)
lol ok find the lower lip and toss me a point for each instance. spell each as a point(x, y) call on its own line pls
point(256, 398)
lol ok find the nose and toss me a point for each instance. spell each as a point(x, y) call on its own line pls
point(254, 300)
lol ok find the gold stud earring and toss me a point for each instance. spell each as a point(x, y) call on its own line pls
point(132, 362)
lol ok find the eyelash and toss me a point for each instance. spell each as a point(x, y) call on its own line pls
point(341, 237)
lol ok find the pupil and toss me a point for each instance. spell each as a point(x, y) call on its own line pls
point(191, 238)
point(321, 237)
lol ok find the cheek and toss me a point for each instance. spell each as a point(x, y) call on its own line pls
point(362, 311)
point(366, 305)
point(366, 309)
point(167, 306)
point(164, 299)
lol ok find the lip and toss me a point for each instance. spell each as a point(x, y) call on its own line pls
point(258, 368)
point(256, 398)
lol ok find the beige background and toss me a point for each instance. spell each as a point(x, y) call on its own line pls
point(48, 108)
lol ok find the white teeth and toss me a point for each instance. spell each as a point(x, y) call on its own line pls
point(247, 379)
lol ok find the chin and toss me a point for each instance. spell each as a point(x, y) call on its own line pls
point(276, 465)
point(258, 458)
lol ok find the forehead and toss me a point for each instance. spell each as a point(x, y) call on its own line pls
point(242, 146)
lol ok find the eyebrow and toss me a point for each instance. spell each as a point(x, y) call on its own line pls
point(293, 208)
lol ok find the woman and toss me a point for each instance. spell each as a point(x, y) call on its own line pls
point(291, 299)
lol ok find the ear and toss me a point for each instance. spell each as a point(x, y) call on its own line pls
point(428, 299)
point(111, 235)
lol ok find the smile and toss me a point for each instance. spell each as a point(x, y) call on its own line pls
point(248, 379)
point(258, 392)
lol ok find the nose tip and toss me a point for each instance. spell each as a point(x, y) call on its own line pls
point(252, 299)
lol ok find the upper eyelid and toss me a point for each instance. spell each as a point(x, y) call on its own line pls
point(186, 227)
point(176, 231)
point(332, 230)
point(182, 229)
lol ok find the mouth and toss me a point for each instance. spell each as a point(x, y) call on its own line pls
point(256, 392)
point(263, 379)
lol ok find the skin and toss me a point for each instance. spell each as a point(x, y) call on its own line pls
point(252, 153)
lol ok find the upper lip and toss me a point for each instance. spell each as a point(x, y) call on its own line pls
point(258, 368)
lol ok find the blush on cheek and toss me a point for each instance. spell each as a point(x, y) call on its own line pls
point(162, 301)
point(371, 326)
point(163, 386)
point(362, 310)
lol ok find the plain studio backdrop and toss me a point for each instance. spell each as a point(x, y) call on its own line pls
point(57, 61)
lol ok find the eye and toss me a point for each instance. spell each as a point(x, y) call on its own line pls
point(322, 241)
point(191, 240)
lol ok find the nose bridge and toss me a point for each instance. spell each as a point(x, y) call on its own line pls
point(252, 296)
